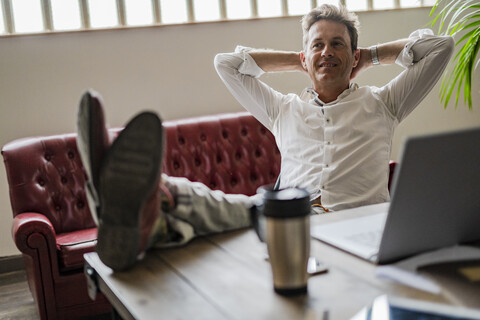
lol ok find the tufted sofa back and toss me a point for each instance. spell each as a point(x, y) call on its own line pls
point(45, 175)
point(231, 152)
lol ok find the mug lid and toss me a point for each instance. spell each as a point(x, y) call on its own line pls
point(286, 203)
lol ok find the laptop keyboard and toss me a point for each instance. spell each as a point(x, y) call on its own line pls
point(360, 236)
point(368, 238)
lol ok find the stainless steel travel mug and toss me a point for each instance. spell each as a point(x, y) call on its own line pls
point(287, 214)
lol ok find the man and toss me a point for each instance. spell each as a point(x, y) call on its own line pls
point(336, 144)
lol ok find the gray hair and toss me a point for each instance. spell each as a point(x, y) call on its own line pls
point(333, 13)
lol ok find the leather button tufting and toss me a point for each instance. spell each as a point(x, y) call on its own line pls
point(71, 155)
point(198, 162)
point(48, 157)
point(58, 208)
point(258, 153)
point(233, 182)
point(225, 134)
point(176, 165)
point(41, 182)
point(181, 140)
point(243, 132)
point(203, 137)
point(80, 204)
point(63, 180)
point(219, 159)
point(238, 155)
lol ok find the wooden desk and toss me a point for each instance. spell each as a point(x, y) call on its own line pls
point(225, 276)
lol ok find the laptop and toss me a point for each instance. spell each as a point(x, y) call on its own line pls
point(435, 202)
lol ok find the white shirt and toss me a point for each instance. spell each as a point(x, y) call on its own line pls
point(339, 150)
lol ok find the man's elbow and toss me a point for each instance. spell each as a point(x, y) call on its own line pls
point(221, 61)
point(443, 50)
point(443, 53)
point(218, 60)
point(449, 45)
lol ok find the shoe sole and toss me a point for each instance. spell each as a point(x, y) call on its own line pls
point(129, 173)
point(85, 138)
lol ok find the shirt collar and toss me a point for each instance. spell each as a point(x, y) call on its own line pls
point(315, 99)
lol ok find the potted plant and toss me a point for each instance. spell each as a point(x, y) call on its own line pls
point(460, 19)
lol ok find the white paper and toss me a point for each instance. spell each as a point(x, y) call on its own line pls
point(405, 271)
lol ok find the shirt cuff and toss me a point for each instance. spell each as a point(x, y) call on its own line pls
point(406, 56)
point(248, 66)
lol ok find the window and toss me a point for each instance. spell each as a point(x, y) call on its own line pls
point(206, 10)
point(173, 11)
point(356, 5)
point(238, 9)
point(328, 2)
point(2, 23)
point(37, 16)
point(299, 7)
point(269, 8)
point(409, 3)
point(65, 14)
point(102, 13)
point(139, 12)
point(383, 4)
point(27, 15)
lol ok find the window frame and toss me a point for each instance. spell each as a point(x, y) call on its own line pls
point(47, 17)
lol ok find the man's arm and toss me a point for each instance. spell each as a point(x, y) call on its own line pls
point(239, 71)
point(387, 54)
point(424, 58)
point(277, 61)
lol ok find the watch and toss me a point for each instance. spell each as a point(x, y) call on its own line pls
point(374, 53)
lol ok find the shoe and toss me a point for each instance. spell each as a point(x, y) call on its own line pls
point(92, 143)
point(129, 192)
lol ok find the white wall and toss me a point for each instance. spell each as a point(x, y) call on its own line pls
point(170, 70)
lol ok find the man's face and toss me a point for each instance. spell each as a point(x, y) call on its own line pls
point(328, 56)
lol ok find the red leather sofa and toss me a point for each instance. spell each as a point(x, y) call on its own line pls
point(52, 224)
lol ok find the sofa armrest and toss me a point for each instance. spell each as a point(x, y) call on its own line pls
point(26, 229)
point(34, 236)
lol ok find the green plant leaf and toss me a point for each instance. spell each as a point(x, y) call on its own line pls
point(465, 37)
point(473, 24)
point(459, 19)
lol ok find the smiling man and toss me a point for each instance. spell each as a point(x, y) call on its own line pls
point(336, 143)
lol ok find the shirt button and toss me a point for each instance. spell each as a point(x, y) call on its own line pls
point(328, 142)
point(326, 166)
point(328, 120)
